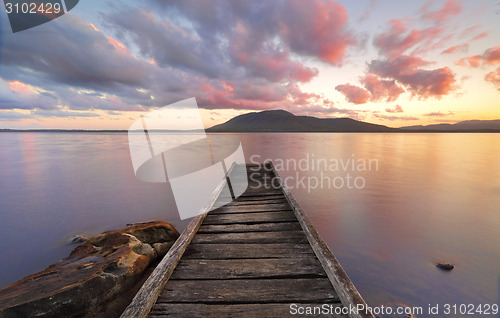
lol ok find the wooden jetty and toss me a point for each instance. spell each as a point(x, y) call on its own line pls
point(253, 257)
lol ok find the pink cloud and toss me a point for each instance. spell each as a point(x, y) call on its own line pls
point(473, 61)
point(404, 64)
point(462, 48)
point(258, 50)
point(94, 27)
point(398, 39)
point(407, 71)
point(20, 95)
point(449, 10)
point(480, 36)
point(380, 89)
point(439, 114)
point(392, 118)
point(303, 98)
point(394, 42)
point(489, 57)
point(395, 109)
point(402, 38)
point(354, 94)
point(388, 79)
point(494, 78)
point(119, 46)
point(267, 62)
point(21, 88)
point(221, 95)
point(469, 30)
point(322, 29)
point(229, 55)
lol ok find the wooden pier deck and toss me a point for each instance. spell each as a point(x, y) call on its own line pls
point(253, 257)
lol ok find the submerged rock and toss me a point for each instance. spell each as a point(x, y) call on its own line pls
point(445, 266)
point(94, 273)
point(78, 238)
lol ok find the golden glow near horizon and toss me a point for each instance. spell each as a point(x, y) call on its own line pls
point(387, 62)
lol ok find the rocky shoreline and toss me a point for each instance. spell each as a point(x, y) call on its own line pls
point(99, 276)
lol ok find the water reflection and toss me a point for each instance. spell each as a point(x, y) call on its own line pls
point(55, 185)
point(434, 197)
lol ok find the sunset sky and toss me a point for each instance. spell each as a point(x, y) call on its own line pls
point(390, 62)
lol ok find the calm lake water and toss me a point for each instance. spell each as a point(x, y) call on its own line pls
point(426, 198)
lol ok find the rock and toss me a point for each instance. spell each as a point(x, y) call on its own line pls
point(162, 248)
point(78, 238)
point(445, 266)
point(95, 272)
point(153, 232)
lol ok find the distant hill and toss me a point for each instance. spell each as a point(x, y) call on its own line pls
point(463, 126)
point(283, 121)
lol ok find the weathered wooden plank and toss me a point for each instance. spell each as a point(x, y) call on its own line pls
point(261, 191)
point(243, 173)
point(243, 259)
point(252, 208)
point(336, 274)
point(262, 169)
point(249, 199)
point(241, 310)
point(251, 237)
point(299, 267)
point(258, 227)
point(152, 287)
point(261, 194)
point(255, 197)
point(235, 251)
point(261, 217)
point(281, 200)
point(249, 291)
point(254, 181)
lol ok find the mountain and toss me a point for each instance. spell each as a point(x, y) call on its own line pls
point(463, 126)
point(283, 121)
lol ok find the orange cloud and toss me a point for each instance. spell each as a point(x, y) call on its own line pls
point(389, 117)
point(119, 46)
point(494, 78)
point(395, 109)
point(93, 27)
